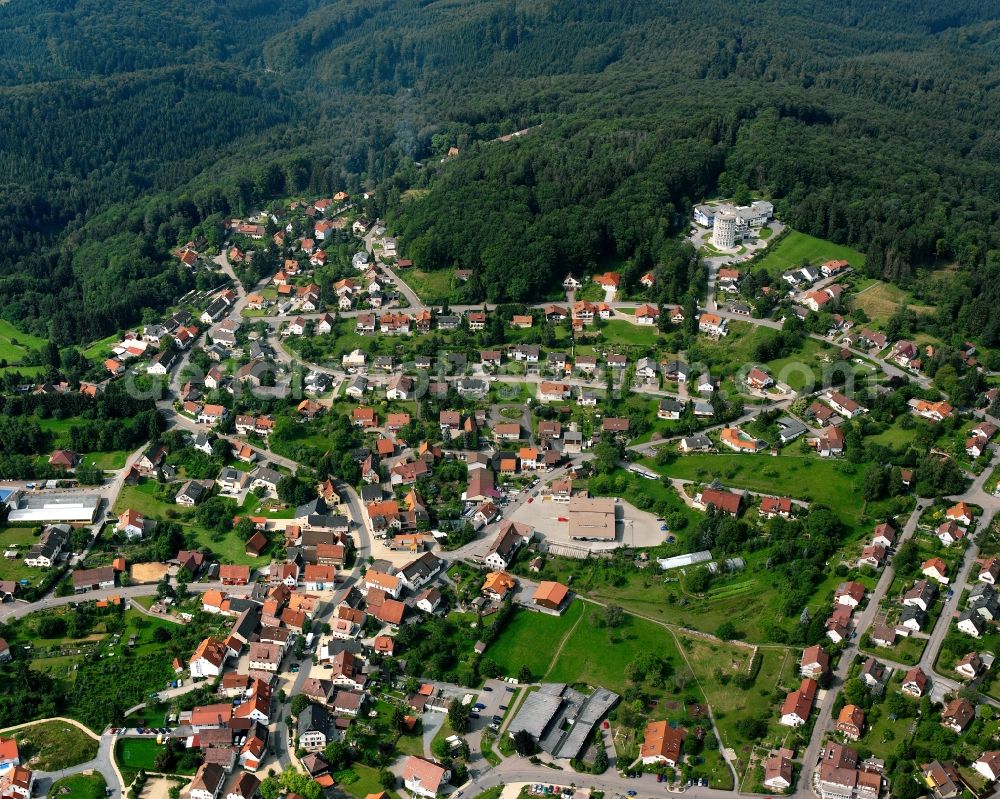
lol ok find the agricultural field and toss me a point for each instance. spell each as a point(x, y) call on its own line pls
point(797, 248)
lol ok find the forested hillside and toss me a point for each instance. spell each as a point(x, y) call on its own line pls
point(125, 125)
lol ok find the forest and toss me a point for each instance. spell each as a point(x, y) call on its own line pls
point(875, 128)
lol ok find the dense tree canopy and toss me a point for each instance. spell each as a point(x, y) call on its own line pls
point(127, 124)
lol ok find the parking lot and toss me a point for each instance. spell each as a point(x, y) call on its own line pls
point(634, 527)
point(494, 697)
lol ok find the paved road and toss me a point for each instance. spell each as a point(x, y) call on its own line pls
point(19, 609)
point(824, 711)
point(102, 763)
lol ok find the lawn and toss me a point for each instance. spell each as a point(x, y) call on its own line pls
point(748, 599)
point(79, 786)
point(135, 754)
point(14, 344)
point(905, 650)
point(802, 370)
point(618, 331)
point(100, 350)
point(896, 436)
point(55, 745)
point(147, 498)
point(16, 569)
point(531, 639)
point(432, 287)
point(796, 248)
point(108, 460)
point(599, 656)
point(805, 477)
point(360, 780)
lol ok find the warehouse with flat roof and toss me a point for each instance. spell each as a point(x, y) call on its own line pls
point(71, 509)
point(561, 718)
point(593, 518)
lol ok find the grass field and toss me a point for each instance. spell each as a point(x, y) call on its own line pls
point(432, 287)
point(796, 248)
point(803, 477)
point(880, 301)
point(79, 786)
point(716, 664)
point(55, 745)
point(14, 344)
point(531, 639)
point(618, 331)
point(147, 498)
point(360, 780)
point(135, 754)
point(24, 371)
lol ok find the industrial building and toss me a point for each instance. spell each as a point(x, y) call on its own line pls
point(75, 509)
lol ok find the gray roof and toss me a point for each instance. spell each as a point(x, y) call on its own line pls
point(371, 493)
point(913, 612)
point(981, 593)
point(192, 489)
point(425, 566)
point(561, 718)
point(790, 428)
point(247, 623)
point(311, 508)
point(314, 718)
point(972, 616)
point(266, 474)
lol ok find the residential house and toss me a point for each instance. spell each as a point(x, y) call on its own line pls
point(851, 722)
point(914, 682)
point(815, 662)
point(208, 659)
point(936, 569)
point(207, 782)
point(315, 728)
point(957, 715)
point(798, 704)
point(509, 539)
point(423, 778)
point(662, 744)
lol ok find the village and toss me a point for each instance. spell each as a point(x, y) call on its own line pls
point(384, 547)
